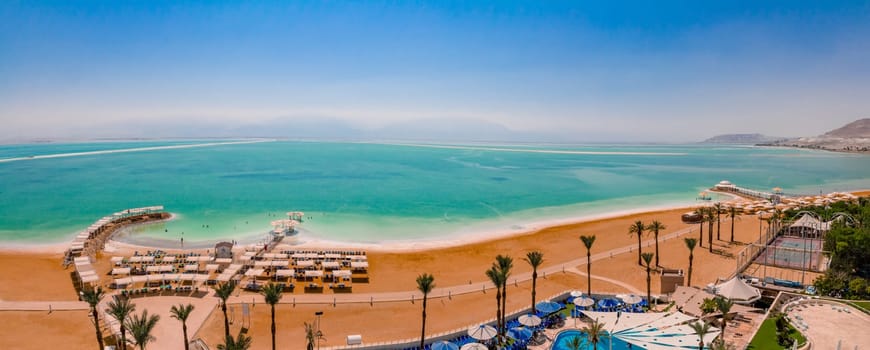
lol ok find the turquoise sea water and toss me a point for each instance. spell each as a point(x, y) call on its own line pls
point(371, 193)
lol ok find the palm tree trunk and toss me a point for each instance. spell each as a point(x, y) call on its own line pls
point(124, 337)
point(701, 235)
point(226, 320)
point(722, 333)
point(273, 327)
point(589, 273)
point(638, 249)
point(423, 331)
point(504, 308)
point(689, 279)
point(648, 293)
point(534, 286)
point(97, 327)
point(732, 229)
point(657, 247)
point(718, 228)
point(184, 331)
point(710, 235)
point(498, 307)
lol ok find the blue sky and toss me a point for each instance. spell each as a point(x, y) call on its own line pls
point(628, 71)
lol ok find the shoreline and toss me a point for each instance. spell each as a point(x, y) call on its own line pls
point(392, 246)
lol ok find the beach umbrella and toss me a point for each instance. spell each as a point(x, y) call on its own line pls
point(607, 303)
point(474, 346)
point(548, 307)
point(520, 333)
point(584, 302)
point(444, 345)
point(482, 332)
point(576, 293)
point(529, 320)
point(631, 299)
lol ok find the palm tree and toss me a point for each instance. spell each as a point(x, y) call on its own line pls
point(535, 259)
point(497, 279)
point(575, 343)
point(141, 327)
point(594, 333)
point(311, 335)
point(93, 297)
point(272, 293)
point(690, 243)
point(181, 312)
point(647, 259)
point(505, 264)
point(425, 284)
point(724, 306)
point(242, 342)
point(710, 217)
point(120, 308)
point(224, 291)
point(701, 212)
point(587, 242)
point(637, 230)
point(701, 329)
point(655, 227)
point(732, 213)
point(708, 306)
point(718, 208)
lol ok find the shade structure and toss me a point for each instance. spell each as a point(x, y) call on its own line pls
point(212, 267)
point(285, 273)
point(304, 263)
point(548, 307)
point(168, 259)
point(482, 332)
point(738, 291)
point(191, 267)
point(444, 345)
point(576, 293)
point(608, 303)
point(584, 302)
point(121, 271)
point(520, 333)
point(529, 320)
point(254, 272)
point(474, 346)
point(341, 273)
point(117, 259)
point(330, 265)
point(631, 299)
point(313, 273)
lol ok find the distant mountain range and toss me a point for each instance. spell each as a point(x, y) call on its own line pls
point(742, 139)
point(853, 137)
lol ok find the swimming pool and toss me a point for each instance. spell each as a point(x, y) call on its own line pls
point(564, 337)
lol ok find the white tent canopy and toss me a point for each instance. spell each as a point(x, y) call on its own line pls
point(285, 273)
point(737, 291)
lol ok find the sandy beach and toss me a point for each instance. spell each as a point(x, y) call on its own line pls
point(39, 276)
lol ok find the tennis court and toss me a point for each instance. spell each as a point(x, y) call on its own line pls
point(792, 252)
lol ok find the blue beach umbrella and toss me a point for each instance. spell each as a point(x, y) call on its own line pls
point(608, 303)
point(519, 333)
point(444, 345)
point(548, 307)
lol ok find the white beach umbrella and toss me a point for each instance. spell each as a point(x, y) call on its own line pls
point(576, 293)
point(584, 302)
point(482, 332)
point(473, 346)
point(529, 320)
point(631, 299)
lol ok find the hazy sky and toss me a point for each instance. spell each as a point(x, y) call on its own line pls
point(636, 71)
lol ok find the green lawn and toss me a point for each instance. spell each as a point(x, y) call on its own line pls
point(766, 336)
point(862, 304)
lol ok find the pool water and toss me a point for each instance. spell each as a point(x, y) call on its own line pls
point(564, 338)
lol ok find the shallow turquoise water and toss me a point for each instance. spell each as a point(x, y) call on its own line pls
point(563, 339)
point(356, 192)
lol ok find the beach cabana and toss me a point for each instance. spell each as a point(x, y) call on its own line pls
point(191, 268)
point(279, 263)
point(285, 273)
point(212, 267)
point(262, 263)
point(313, 273)
point(224, 261)
point(738, 291)
point(359, 265)
point(121, 271)
point(330, 265)
point(305, 263)
point(117, 260)
point(169, 259)
point(343, 274)
point(254, 272)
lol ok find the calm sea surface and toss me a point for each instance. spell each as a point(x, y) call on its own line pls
point(378, 193)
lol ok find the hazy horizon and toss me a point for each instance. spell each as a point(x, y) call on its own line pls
point(662, 72)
